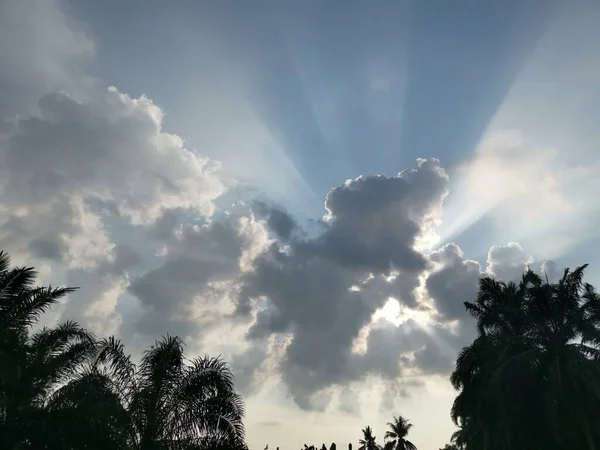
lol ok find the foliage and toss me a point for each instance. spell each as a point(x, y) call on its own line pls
point(529, 381)
point(450, 447)
point(531, 378)
point(368, 440)
point(61, 388)
point(396, 435)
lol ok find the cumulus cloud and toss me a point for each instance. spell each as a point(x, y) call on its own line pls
point(92, 186)
point(79, 160)
point(520, 184)
point(453, 281)
point(507, 262)
point(76, 165)
point(323, 291)
point(109, 150)
point(188, 288)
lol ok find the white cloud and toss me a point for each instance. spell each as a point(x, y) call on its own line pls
point(93, 187)
point(532, 193)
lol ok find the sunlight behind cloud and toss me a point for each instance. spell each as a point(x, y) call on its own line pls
point(506, 166)
point(534, 172)
point(328, 324)
point(396, 314)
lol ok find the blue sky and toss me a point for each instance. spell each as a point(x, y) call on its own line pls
point(185, 163)
point(346, 88)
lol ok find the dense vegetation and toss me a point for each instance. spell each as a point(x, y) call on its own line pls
point(61, 388)
point(529, 381)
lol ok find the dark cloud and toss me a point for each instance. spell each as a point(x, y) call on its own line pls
point(371, 229)
point(50, 247)
point(278, 220)
point(83, 172)
point(196, 257)
point(374, 221)
point(453, 282)
point(394, 351)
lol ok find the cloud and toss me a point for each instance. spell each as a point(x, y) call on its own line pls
point(93, 189)
point(371, 229)
point(111, 148)
point(77, 167)
point(375, 221)
point(453, 281)
point(270, 423)
point(349, 401)
point(278, 220)
point(507, 262)
point(187, 289)
point(513, 180)
point(42, 50)
point(83, 165)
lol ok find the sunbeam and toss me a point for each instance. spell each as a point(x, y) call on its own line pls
point(530, 164)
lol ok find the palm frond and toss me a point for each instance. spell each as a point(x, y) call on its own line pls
point(112, 360)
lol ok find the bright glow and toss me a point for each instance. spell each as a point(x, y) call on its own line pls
point(522, 177)
point(396, 314)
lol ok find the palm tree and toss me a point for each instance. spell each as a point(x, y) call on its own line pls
point(531, 379)
point(368, 440)
point(60, 388)
point(172, 403)
point(32, 367)
point(21, 304)
point(396, 435)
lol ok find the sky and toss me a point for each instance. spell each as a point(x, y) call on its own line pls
point(309, 189)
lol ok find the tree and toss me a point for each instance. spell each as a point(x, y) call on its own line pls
point(531, 379)
point(33, 367)
point(368, 440)
point(450, 447)
point(396, 435)
point(60, 388)
point(171, 403)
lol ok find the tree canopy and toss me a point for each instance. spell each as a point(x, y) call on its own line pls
point(62, 388)
point(531, 378)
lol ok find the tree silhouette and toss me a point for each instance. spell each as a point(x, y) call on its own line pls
point(450, 447)
point(60, 388)
point(32, 367)
point(173, 403)
point(531, 379)
point(396, 435)
point(368, 440)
